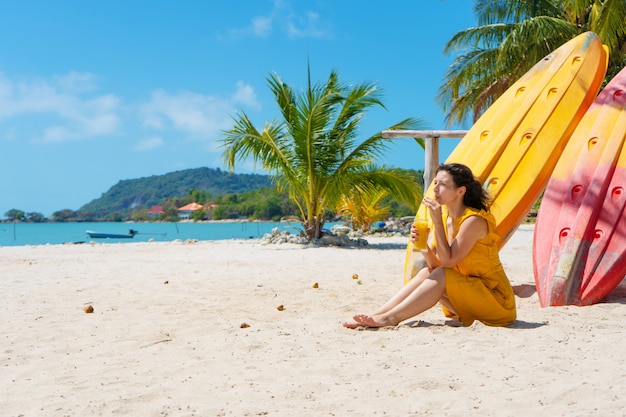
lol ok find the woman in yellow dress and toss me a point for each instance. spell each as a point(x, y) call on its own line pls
point(464, 272)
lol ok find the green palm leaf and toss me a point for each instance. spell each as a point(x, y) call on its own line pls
point(511, 36)
point(314, 152)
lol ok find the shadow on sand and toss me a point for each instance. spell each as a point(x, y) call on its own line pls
point(385, 246)
point(524, 290)
point(518, 324)
point(618, 295)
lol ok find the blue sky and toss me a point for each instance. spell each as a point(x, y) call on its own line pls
point(92, 93)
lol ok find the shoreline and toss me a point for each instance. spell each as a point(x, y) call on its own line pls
point(167, 338)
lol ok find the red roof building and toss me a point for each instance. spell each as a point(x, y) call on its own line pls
point(185, 212)
point(155, 211)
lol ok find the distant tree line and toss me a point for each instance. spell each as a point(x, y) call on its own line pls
point(264, 203)
point(21, 216)
point(174, 187)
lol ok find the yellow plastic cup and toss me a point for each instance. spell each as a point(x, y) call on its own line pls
point(421, 243)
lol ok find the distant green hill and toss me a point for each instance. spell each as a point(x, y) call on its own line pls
point(145, 192)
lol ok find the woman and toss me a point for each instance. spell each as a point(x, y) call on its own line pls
point(464, 272)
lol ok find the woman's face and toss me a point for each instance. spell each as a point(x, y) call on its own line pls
point(445, 189)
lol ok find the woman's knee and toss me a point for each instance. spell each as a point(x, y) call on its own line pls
point(438, 274)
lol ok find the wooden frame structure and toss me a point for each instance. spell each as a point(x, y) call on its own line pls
point(431, 145)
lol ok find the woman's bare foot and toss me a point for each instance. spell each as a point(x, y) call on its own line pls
point(349, 325)
point(367, 321)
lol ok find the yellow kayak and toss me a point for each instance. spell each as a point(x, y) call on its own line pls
point(516, 143)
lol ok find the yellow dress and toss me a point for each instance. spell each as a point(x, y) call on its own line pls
point(478, 287)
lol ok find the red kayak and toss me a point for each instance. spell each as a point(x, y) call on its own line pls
point(579, 248)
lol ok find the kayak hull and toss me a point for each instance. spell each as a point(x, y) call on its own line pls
point(516, 143)
point(579, 245)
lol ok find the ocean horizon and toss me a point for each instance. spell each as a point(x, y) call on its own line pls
point(22, 234)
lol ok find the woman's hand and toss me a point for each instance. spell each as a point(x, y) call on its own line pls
point(433, 207)
point(414, 233)
point(429, 256)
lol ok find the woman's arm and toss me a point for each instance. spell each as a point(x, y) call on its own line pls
point(472, 229)
point(431, 259)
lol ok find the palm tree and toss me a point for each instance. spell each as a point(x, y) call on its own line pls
point(511, 36)
point(363, 210)
point(313, 152)
point(607, 18)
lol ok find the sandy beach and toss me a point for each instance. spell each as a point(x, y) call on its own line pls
point(237, 328)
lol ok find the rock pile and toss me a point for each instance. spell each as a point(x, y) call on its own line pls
point(338, 236)
point(278, 237)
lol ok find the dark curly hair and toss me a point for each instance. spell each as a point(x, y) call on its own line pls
point(475, 195)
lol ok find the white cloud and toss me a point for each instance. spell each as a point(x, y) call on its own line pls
point(245, 95)
point(150, 143)
point(68, 113)
point(261, 26)
point(187, 111)
point(151, 119)
point(66, 108)
point(308, 26)
point(295, 24)
point(57, 134)
point(76, 82)
point(199, 116)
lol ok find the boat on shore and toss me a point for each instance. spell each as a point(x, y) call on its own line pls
point(98, 235)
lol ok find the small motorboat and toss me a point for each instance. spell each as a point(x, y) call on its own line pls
point(99, 235)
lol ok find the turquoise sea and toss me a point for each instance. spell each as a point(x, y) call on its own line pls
point(19, 234)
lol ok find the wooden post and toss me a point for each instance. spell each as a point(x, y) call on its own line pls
point(431, 151)
point(431, 160)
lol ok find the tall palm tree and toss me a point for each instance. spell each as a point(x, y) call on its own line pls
point(511, 36)
point(607, 18)
point(313, 152)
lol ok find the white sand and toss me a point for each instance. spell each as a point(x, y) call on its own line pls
point(153, 348)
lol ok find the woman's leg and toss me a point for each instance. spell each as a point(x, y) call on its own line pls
point(423, 296)
point(445, 301)
point(402, 294)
